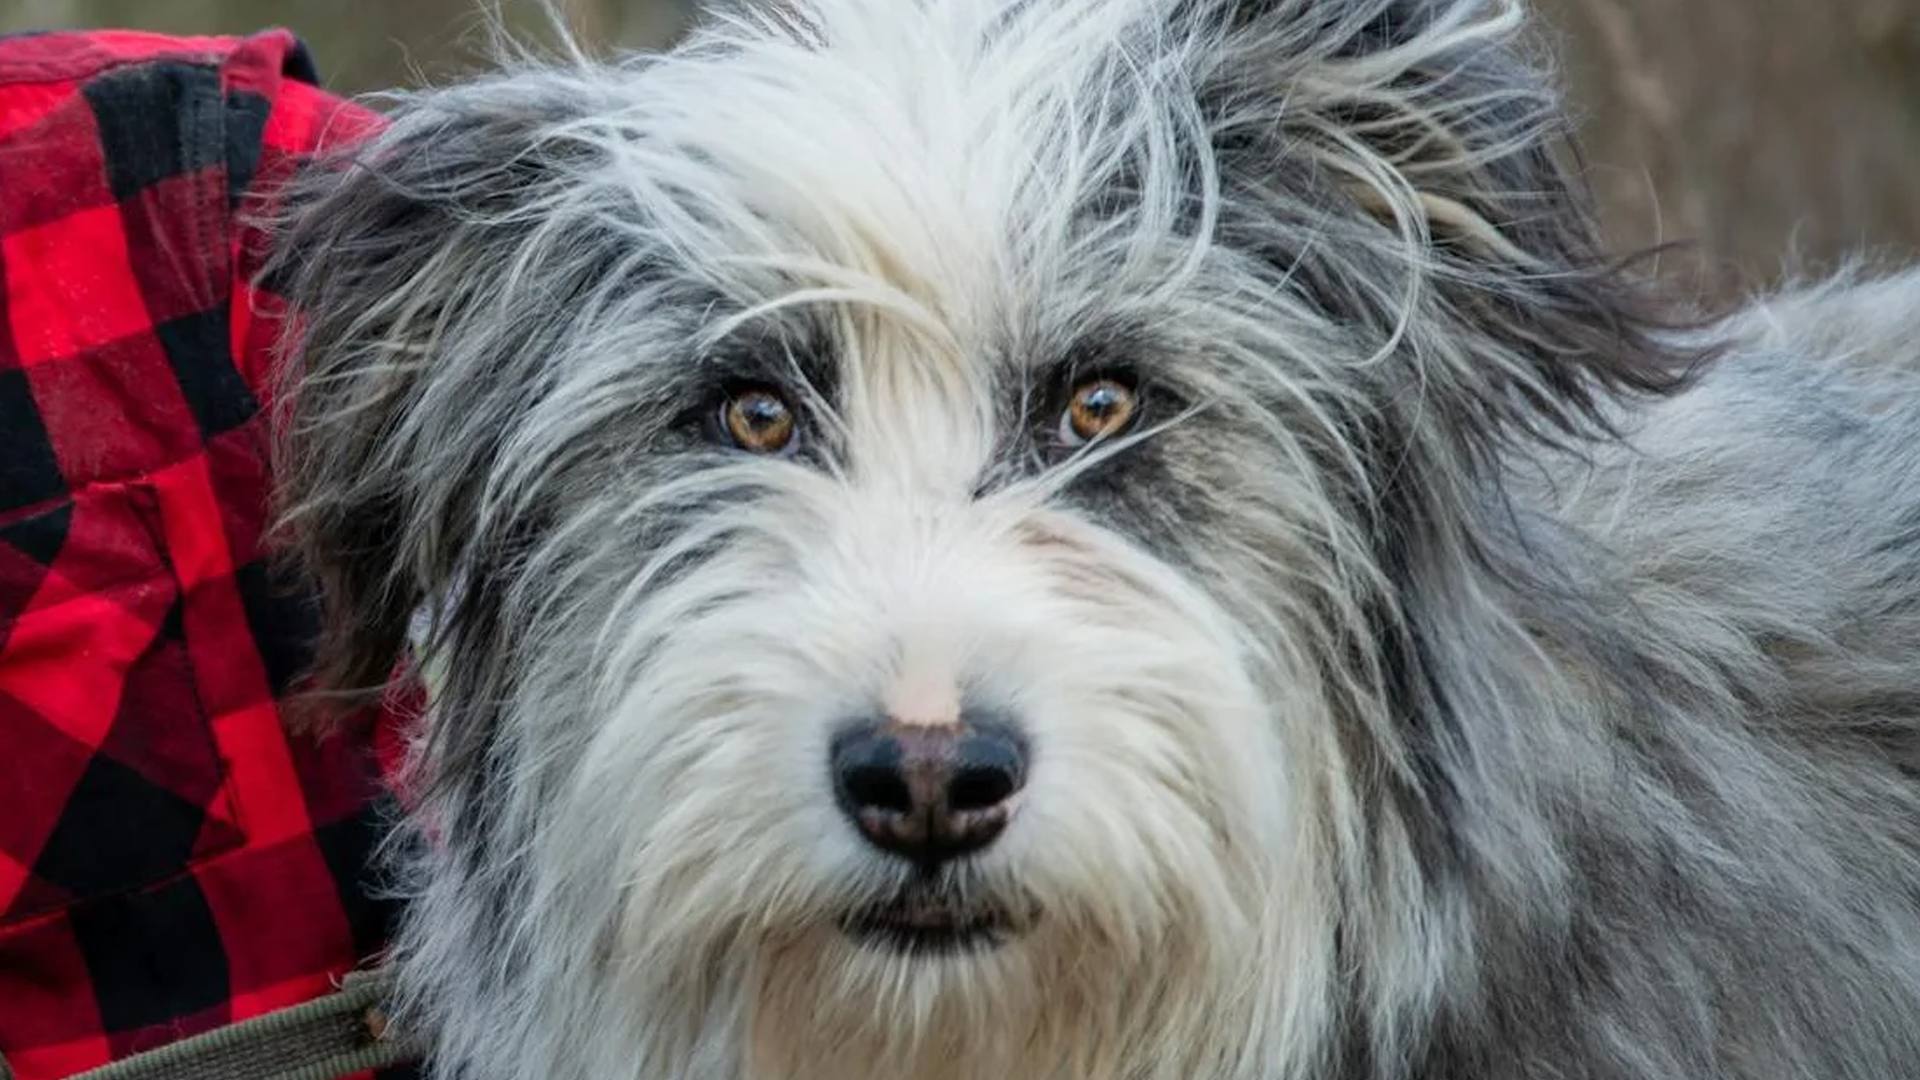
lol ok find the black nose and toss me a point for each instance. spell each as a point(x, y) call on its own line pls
point(929, 792)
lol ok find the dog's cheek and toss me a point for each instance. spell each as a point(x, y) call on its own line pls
point(721, 675)
point(1155, 493)
point(1201, 500)
point(1157, 745)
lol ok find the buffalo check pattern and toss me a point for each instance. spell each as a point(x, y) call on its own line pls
point(172, 859)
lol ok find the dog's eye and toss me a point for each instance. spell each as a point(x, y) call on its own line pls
point(1098, 409)
point(758, 419)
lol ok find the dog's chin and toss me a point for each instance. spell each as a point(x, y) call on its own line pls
point(922, 922)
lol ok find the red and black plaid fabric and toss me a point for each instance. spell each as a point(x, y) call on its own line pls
point(171, 859)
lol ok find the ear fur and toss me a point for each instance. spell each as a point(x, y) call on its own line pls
point(397, 257)
point(1449, 212)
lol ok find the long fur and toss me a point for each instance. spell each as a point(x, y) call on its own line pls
point(1467, 667)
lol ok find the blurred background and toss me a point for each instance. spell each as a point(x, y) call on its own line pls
point(1772, 135)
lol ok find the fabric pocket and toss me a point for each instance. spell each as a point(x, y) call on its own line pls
point(110, 778)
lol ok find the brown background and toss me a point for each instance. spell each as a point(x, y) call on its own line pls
point(1772, 134)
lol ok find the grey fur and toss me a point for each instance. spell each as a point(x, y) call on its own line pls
point(1591, 634)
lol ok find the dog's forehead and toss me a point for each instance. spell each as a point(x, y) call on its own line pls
point(919, 161)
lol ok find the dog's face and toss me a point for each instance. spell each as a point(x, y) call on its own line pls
point(911, 501)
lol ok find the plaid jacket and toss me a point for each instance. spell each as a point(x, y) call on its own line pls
point(171, 859)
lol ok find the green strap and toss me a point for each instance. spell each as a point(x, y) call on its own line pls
point(325, 1039)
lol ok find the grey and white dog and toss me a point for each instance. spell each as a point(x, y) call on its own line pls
point(1105, 540)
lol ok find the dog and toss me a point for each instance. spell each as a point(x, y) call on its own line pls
point(1103, 540)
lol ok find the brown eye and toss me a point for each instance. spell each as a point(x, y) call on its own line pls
point(1098, 409)
point(759, 421)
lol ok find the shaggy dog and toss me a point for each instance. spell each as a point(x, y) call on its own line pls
point(1104, 540)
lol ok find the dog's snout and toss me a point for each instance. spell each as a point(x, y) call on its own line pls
point(929, 792)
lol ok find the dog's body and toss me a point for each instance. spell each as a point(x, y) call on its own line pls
point(1106, 540)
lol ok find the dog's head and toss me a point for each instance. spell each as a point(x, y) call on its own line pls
point(914, 505)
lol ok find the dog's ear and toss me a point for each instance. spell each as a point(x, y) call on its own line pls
point(1438, 153)
point(406, 354)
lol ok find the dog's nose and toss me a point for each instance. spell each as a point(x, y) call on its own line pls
point(929, 792)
